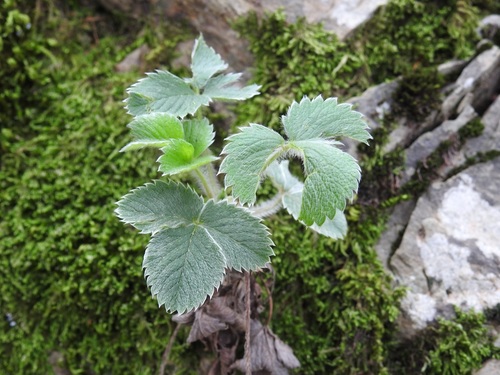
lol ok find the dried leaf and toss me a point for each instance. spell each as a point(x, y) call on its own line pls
point(268, 352)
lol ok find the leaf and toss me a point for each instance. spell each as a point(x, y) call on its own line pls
point(205, 62)
point(268, 353)
point(153, 130)
point(193, 242)
point(163, 92)
point(247, 155)
point(148, 209)
point(199, 133)
point(224, 87)
point(332, 176)
point(291, 195)
point(320, 118)
point(183, 155)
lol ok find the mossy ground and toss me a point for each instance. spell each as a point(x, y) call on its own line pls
point(71, 273)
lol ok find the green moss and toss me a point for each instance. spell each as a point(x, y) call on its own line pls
point(407, 34)
point(472, 129)
point(70, 272)
point(418, 94)
point(448, 347)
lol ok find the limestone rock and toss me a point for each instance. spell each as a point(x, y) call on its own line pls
point(491, 367)
point(480, 79)
point(449, 253)
point(489, 28)
point(134, 60)
point(429, 142)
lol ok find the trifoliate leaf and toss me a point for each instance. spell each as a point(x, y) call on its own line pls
point(164, 92)
point(332, 176)
point(205, 62)
point(248, 153)
point(291, 190)
point(153, 130)
point(199, 133)
point(224, 87)
point(320, 118)
point(193, 242)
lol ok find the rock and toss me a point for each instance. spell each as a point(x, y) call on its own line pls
point(449, 253)
point(491, 367)
point(213, 17)
point(134, 60)
point(480, 78)
point(452, 68)
point(427, 143)
point(488, 141)
point(489, 28)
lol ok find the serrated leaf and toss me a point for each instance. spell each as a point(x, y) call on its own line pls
point(332, 177)
point(247, 155)
point(205, 62)
point(163, 92)
point(193, 242)
point(148, 209)
point(199, 133)
point(320, 118)
point(183, 267)
point(291, 194)
point(153, 130)
point(225, 87)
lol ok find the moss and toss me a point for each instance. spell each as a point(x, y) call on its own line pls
point(407, 34)
point(472, 129)
point(70, 272)
point(418, 94)
point(448, 347)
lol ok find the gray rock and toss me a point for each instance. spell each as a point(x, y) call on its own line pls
point(427, 143)
point(134, 60)
point(488, 141)
point(491, 367)
point(480, 78)
point(489, 28)
point(450, 253)
point(452, 68)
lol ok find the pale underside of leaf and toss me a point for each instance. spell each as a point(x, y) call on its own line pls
point(291, 190)
point(320, 118)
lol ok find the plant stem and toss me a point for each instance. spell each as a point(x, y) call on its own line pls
point(248, 355)
point(208, 181)
point(168, 349)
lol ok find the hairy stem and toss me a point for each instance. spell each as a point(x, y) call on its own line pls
point(207, 179)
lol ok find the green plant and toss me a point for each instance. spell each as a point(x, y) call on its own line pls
point(194, 242)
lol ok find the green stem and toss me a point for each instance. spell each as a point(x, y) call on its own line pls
point(208, 181)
